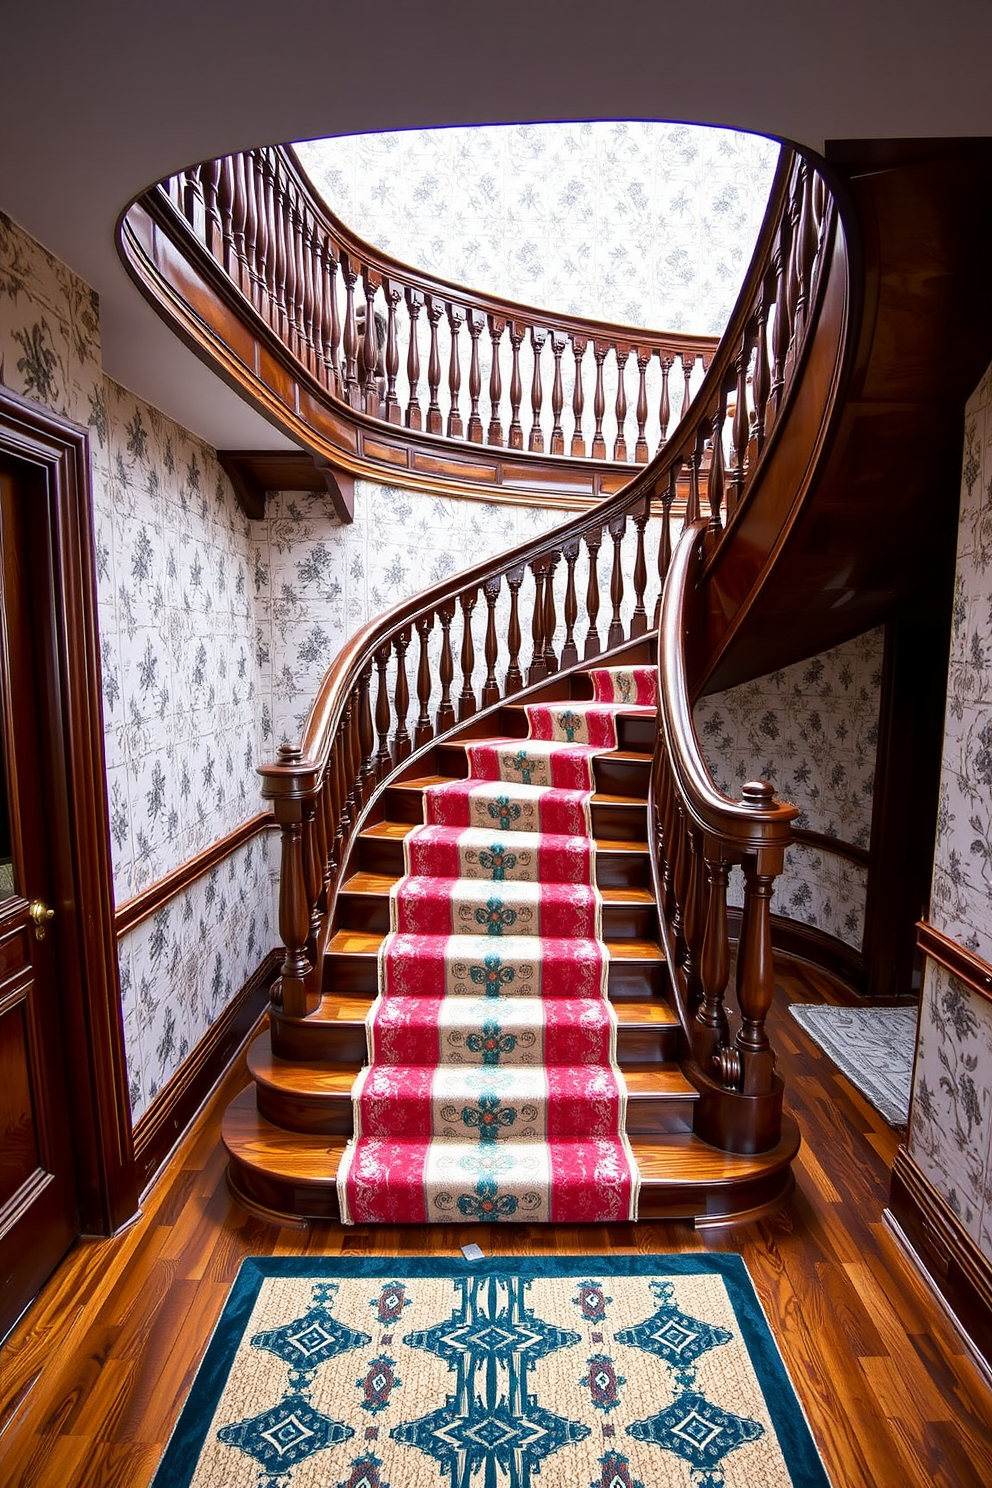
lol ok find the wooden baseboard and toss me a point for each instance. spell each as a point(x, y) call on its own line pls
point(955, 1267)
point(805, 941)
point(170, 1113)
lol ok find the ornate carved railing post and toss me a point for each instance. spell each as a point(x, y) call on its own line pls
point(291, 784)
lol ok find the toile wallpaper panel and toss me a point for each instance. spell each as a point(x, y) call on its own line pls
point(812, 730)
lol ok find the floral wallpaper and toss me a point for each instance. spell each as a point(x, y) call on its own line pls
point(812, 730)
point(626, 205)
point(951, 1118)
point(180, 693)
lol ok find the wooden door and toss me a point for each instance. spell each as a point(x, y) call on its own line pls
point(38, 1208)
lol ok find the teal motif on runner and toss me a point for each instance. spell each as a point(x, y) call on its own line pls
point(496, 917)
point(504, 811)
point(492, 975)
point(498, 860)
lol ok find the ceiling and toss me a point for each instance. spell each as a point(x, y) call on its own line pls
point(101, 99)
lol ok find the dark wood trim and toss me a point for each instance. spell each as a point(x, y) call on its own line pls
point(152, 899)
point(803, 837)
point(952, 1262)
point(253, 473)
point(960, 962)
point(171, 1112)
point(907, 773)
point(57, 453)
point(793, 938)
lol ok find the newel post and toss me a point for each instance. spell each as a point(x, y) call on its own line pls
point(755, 966)
point(290, 784)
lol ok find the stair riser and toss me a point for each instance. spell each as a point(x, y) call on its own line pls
point(345, 1043)
point(633, 732)
point(616, 822)
point(332, 1115)
point(356, 976)
point(614, 870)
point(369, 913)
point(614, 777)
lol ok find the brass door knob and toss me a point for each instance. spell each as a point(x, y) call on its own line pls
point(41, 913)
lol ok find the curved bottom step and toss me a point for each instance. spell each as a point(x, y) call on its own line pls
point(278, 1174)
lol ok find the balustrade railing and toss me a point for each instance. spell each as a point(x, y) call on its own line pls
point(557, 602)
point(412, 350)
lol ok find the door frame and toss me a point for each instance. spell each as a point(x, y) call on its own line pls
point(53, 456)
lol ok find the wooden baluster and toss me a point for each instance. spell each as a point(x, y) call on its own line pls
point(323, 842)
point(383, 758)
point(668, 496)
point(579, 344)
point(446, 670)
point(321, 310)
point(755, 978)
point(332, 803)
point(313, 877)
point(271, 242)
point(193, 203)
point(394, 293)
point(366, 734)
point(225, 213)
point(793, 281)
point(494, 434)
point(245, 225)
point(762, 371)
point(423, 729)
point(537, 670)
point(680, 878)
point(620, 443)
point(714, 966)
point(741, 428)
point(664, 407)
point(456, 319)
point(311, 316)
point(354, 756)
point(781, 328)
point(346, 814)
point(370, 345)
point(414, 416)
point(435, 422)
point(516, 434)
point(476, 322)
point(294, 228)
point(688, 359)
point(514, 676)
point(616, 528)
point(694, 461)
point(490, 688)
point(668, 816)
point(294, 912)
point(558, 344)
point(210, 180)
point(599, 350)
point(593, 541)
point(714, 489)
point(538, 336)
point(401, 697)
point(294, 289)
point(639, 619)
point(550, 615)
point(641, 447)
point(569, 650)
point(693, 913)
point(277, 227)
point(334, 349)
point(352, 391)
point(466, 698)
point(808, 243)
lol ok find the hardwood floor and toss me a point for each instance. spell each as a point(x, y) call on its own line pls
point(93, 1378)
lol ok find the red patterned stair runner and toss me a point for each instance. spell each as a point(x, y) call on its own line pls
point(492, 1090)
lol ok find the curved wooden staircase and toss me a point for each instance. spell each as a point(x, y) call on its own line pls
point(816, 471)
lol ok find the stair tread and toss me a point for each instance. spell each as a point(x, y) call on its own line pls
point(599, 798)
point(396, 831)
point(336, 1009)
point(658, 1081)
point(678, 1160)
point(381, 883)
point(367, 942)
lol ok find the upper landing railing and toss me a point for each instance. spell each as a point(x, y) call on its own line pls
point(402, 348)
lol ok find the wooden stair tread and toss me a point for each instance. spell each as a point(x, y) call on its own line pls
point(381, 883)
point(337, 1009)
point(679, 1160)
point(367, 942)
point(657, 1081)
point(396, 831)
point(599, 798)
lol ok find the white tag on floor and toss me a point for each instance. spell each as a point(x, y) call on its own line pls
point(473, 1252)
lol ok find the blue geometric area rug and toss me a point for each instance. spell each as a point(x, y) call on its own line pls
point(624, 1371)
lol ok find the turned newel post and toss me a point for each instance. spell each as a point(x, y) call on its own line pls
point(290, 785)
point(755, 967)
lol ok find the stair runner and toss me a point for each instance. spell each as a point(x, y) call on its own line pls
point(492, 1090)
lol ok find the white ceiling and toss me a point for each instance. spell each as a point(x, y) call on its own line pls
point(99, 99)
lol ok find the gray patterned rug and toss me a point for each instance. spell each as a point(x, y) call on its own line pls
point(872, 1046)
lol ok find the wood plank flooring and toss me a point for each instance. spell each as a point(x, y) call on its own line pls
point(93, 1378)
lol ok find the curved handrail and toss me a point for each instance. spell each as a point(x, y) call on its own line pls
point(366, 330)
point(351, 746)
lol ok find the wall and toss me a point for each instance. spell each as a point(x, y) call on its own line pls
point(640, 223)
point(812, 730)
point(950, 1135)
